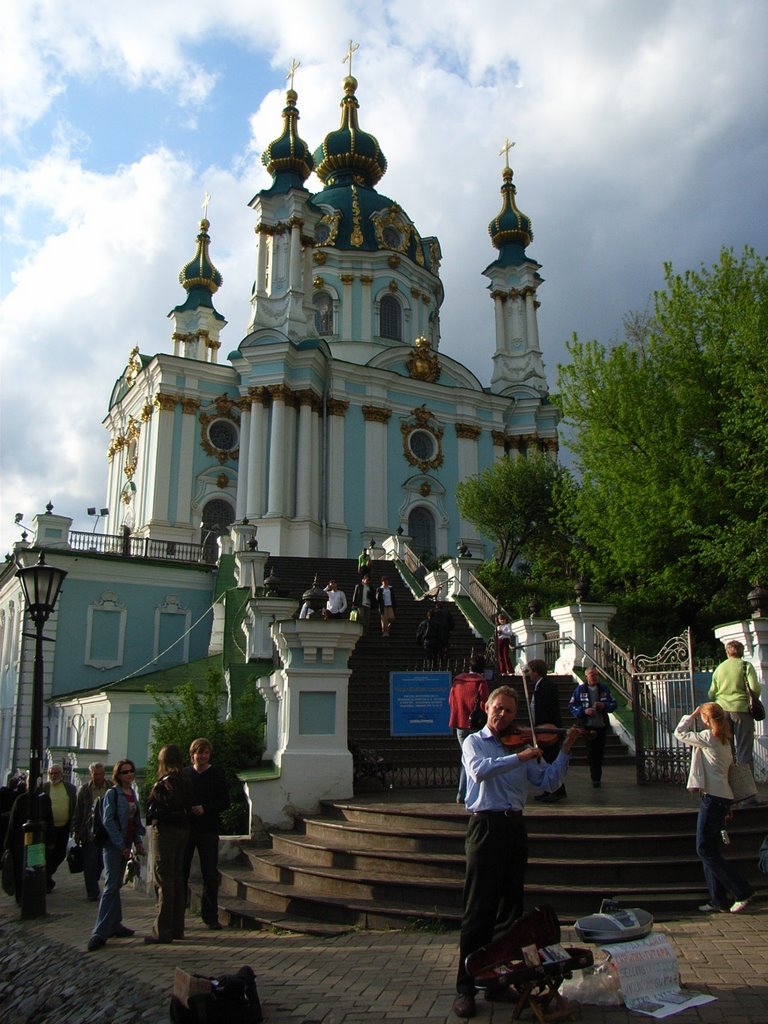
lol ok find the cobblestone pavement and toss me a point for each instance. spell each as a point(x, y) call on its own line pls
point(397, 977)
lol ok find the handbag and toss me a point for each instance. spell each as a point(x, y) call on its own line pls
point(477, 717)
point(742, 782)
point(754, 704)
point(353, 615)
point(75, 859)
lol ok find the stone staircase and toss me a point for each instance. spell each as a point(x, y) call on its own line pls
point(383, 865)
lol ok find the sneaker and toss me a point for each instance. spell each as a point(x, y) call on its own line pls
point(464, 1005)
point(121, 932)
point(740, 905)
point(95, 942)
point(710, 908)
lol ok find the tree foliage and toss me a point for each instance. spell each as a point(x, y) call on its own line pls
point(511, 503)
point(237, 741)
point(669, 429)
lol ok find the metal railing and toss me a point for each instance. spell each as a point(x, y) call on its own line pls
point(136, 547)
point(612, 659)
point(414, 565)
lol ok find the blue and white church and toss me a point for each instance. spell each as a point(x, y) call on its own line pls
point(336, 421)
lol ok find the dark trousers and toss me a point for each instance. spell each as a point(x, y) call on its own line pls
point(92, 864)
point(169, 844)
point(497, 853)
point(207, 846)
point(57, 850)
point(595, 748)
point(721, 877)
point(550, 755)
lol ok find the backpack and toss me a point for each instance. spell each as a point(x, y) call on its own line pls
point(100, 834)
point(167, 804)
point(230, 999)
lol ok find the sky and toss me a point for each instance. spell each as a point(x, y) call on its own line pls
point(640, 130)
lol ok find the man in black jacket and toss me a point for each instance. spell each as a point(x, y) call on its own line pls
point(545, 704)
point(210, 796)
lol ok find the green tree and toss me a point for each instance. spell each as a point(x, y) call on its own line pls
point(511, 503)
point(670, 433)
point(237, 741)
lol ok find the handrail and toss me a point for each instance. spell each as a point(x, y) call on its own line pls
point(414, 565)
point(136, 547)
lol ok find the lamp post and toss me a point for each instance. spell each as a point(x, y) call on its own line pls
point(41, 584)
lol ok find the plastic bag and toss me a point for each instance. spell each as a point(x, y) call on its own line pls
point(596, 986)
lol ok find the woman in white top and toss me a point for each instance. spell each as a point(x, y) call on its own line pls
point(711, 758)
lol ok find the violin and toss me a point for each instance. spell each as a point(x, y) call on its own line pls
point(521, 736)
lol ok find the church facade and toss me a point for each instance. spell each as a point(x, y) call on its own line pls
point(336, 421)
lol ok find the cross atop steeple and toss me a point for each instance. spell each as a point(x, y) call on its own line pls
point(292, 70)
point(353, 48)
point(505, 152)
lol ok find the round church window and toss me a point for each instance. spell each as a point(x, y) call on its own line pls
point(393, 238)
point(223, 435)
point(423, 445)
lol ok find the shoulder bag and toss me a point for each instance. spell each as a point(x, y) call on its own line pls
point(742, 782)
point(477, 717)
point(755, 705)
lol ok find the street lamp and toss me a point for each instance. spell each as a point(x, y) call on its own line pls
point(41, 584)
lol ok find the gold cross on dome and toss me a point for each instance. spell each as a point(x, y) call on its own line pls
point(505, 151)
point(206, 200)
point(292, 70)
point(353, 48)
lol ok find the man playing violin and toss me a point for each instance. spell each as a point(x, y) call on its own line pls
point(496, 846)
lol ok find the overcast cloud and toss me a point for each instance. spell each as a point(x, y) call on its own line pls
point(641, 136)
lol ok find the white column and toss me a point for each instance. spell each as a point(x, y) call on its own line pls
point(532, 321)
point(256, 454)
point(366, 308)
point(336, 412)
point(185, 462)
point(375, 489)
point(241, 504)
point(261, 262)
point(305, 457)
point(346, 306)
point(277, 453)
point(294, 258)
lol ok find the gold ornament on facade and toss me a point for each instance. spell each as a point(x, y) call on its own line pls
point(423, 363)
point(146, 412)
point(222, 481)
point(320, 258)
point(366, 279)
point(434, 256)
point(318, 282)
point(131, 441)
point(164, 402)
point(425, 490)
point(134, 367)
point(393, 261)
point(336, 407)
point(499, 438)
point(422, 422)
point(356, 238)
point(393, 285)
point(279, 392)
point(347, 278)
point(468, 431)
point(376, 414)
point(190, 405)
point(225, 408)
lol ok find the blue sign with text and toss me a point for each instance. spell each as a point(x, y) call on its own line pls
point(419, 703)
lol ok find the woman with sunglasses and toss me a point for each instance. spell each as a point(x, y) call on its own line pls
point(122, 822)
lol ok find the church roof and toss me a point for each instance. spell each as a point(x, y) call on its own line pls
point(288, 158)
point(350, 154)
point(510, 230)
point(200, 277)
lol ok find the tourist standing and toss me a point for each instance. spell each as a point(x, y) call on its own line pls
point(168, 812)
point(210, 796)
point(82, 827)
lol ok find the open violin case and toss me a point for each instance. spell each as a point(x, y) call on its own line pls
point(530, 960)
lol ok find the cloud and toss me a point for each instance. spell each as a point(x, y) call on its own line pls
point(641, 135)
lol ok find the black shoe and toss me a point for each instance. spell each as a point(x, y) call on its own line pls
point(121, 932)
point(153, 940)
point(50, 886)
point(214, 926)
point(464, 1005)
point(543, 798)
point(596, 783)
point(95, 942)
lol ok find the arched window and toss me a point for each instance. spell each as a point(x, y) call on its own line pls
point(323, 304)
point(421, 527)
point(218, 515)
point(390, 318)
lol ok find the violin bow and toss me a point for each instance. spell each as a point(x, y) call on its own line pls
point(529, 708)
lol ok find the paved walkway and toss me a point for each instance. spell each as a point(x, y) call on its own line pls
point(397, 977)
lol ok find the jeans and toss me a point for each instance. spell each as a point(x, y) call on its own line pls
point(721, 877)
point(93, 862)
point(110, 914)
point(743, 736)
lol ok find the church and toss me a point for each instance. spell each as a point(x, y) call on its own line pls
point(336, 421)
point(334, 424)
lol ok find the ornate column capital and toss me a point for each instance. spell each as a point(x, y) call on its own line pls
point(376, 414)
point(468, 430)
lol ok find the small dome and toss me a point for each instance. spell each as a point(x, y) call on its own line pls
point(288, 158)
point(200, 278)
point(510, 230)
point(350, 154)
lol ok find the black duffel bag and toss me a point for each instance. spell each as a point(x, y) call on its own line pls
point(75, 859)
point(233, 999)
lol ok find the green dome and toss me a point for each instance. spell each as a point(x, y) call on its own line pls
point(288, 158)
point(200, 278)
point(510, 230)
point(350, 154)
